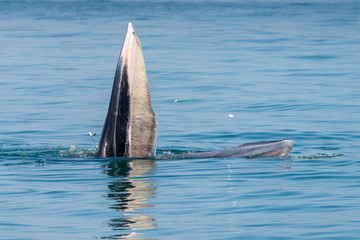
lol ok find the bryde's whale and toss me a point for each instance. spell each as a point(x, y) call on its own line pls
point(130, 125)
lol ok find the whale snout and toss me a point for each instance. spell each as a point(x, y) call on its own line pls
point(283, 148)
point(289, 145)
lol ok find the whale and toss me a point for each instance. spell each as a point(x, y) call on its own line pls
point(130, 125)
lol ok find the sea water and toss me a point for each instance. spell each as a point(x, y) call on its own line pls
point(221, 73)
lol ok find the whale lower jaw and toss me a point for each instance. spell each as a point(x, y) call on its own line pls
point(130, 125)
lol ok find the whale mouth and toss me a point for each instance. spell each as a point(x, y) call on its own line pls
point(282, 151)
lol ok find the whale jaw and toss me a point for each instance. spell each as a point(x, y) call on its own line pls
point(130, 125)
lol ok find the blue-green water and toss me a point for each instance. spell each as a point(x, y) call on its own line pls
point(281, 68)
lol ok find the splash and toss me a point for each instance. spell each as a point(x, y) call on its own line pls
point(318, 156)
point(47, 152)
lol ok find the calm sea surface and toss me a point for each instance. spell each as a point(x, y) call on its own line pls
point(282, 69)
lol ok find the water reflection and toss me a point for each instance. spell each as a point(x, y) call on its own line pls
point(286, 165)
point(130, 191)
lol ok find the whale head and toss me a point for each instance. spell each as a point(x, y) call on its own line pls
point(130, 125)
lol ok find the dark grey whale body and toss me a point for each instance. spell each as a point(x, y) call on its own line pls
point(130, 125)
